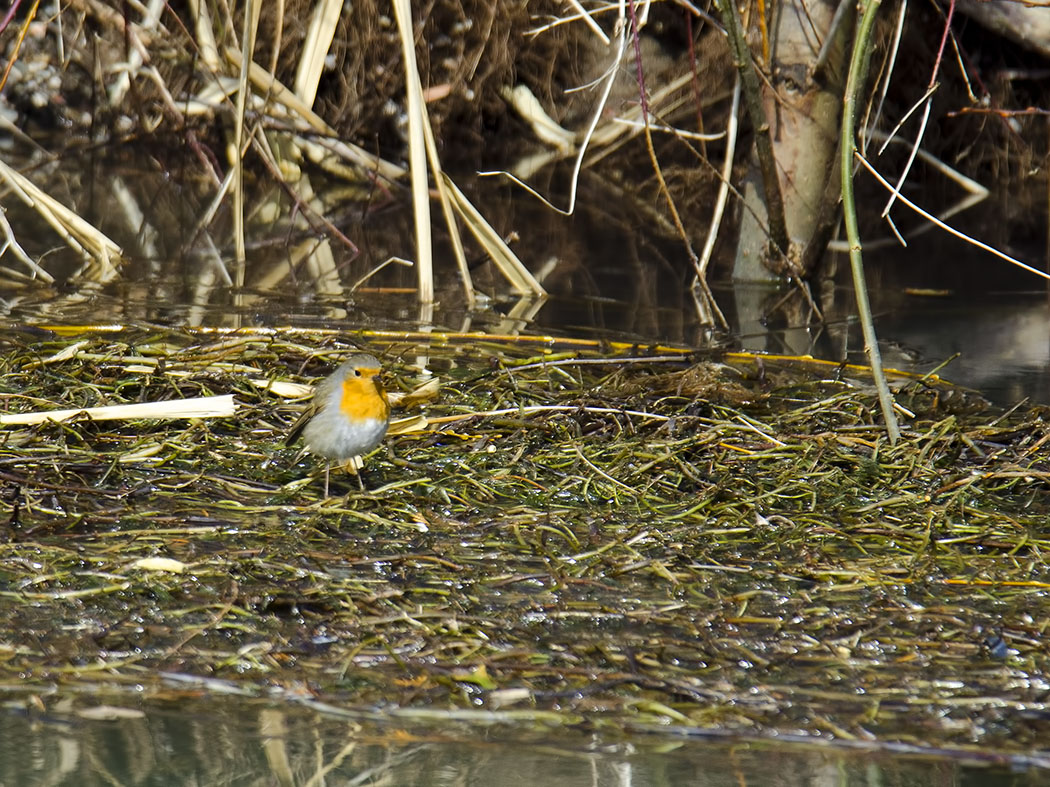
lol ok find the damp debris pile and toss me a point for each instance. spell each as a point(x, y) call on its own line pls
point(628, 537)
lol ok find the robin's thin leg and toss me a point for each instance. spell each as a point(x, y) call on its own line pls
point(327, 470)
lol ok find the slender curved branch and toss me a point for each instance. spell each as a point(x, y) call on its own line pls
point(858, 71)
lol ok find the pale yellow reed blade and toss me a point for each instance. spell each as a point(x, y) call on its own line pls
point(196, 407)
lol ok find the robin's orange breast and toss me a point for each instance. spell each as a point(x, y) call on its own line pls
point(363, 398)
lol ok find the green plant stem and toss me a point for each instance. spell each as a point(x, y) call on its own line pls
point(752, 91)
point(858, 70)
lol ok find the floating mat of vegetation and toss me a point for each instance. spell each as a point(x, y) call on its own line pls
point(620, 536)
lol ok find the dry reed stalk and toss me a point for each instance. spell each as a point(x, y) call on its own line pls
point(417, 154)
point(196, 407)
point(236, 153)
point(318, 41)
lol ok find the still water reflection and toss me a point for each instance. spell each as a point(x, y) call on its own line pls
point(223, 741)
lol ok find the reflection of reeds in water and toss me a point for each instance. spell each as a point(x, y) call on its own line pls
point(276, 125)
point(233, 740)
point(101, 256)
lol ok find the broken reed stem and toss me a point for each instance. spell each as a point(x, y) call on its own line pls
point(195, 407)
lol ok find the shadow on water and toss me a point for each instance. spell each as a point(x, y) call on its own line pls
point(231, 741)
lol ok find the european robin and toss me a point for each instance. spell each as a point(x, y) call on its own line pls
point(348, 416)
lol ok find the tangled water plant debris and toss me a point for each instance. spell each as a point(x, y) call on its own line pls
point(630, 538)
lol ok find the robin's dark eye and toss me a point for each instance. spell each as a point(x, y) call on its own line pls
point(357, 372)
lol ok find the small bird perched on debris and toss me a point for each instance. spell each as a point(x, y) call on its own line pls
point(349, 414)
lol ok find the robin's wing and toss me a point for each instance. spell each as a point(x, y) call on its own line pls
point(300, 424)
point(320, 394)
